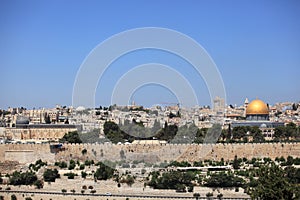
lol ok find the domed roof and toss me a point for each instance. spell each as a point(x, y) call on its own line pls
point(257, 107)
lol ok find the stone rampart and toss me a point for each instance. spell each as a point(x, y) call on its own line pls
point(27, 153)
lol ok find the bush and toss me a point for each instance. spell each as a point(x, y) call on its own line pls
point(190, 188)
point(81, 167)
point(220, 196)
point(224, 180)
point(70, 175)
point(38, 184)
point(72, 165)
point(71, 137)
point(180, 188)
point(83, 174)
point(63, 190)
point(104, 172)
point(84, 151)
point(209, 194)
point(129, 180)
point(26, 178)
point(61, 164)
point(13, 197)
point(89, 162)
point(50, 175)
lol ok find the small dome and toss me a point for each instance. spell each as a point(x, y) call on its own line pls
point(263, 126)
point(80, 108)
point(257, 107)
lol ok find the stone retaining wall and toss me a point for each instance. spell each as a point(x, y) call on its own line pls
point(27, 153)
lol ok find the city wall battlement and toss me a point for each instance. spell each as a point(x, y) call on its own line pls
point(28, 153)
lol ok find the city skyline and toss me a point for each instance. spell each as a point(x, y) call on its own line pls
point(254, 44)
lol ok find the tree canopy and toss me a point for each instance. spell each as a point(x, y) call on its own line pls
point(272, 183)
point(71, 137)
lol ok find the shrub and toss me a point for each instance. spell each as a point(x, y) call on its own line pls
point(209, 194)
point(38, 184)
point(93, 191)
point(13, 197)
point(81, 167)
point(83, 174)
point(84, 151)
point(72, 165)
point(190, 188)
point(70, 175)
point(50, 175)
point(61, 164)
point(104, 172)
point(26, 178)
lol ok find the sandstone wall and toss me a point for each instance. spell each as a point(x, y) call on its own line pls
point(27, 153)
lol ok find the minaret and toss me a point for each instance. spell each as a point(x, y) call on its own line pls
point(245, 106)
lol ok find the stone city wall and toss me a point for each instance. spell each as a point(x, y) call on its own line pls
point(27, 153)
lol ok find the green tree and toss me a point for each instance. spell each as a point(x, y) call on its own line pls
point(104, 172)
point(167, 133)
point(257, 134)
point(292, 174)
point(71, 137)
point(70, 175)
point(196, 195)
point(50, 175)
point(72, 165)
point(200, 135)
point(236, 163)
point(223, 179)
point(129, 180)
point(26, 178)
point(272, 184)
point(115, 134)
point(13, 197)
point(84, 151)
point(83, 174)
point(38, 184)
point(171, 180)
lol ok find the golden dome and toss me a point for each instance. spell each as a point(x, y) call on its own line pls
point(257, 107)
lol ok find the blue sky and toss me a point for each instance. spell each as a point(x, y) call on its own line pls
point(255, 45)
